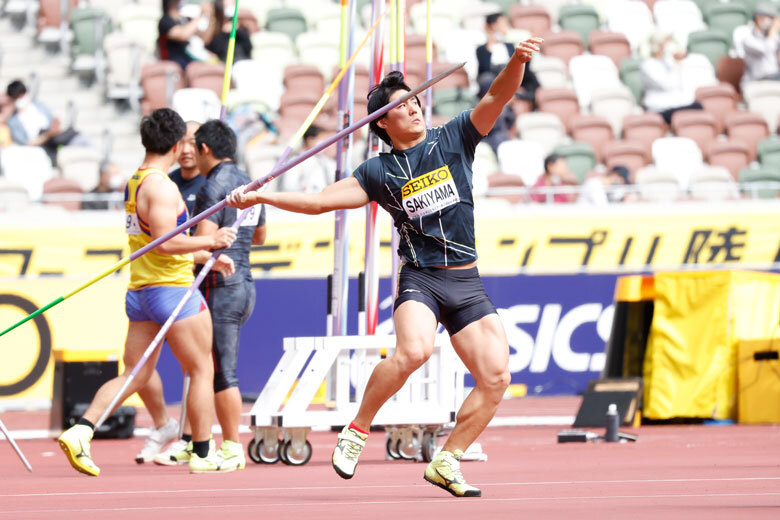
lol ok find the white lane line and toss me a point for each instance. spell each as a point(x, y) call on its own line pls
point(396, 502)
point(396, 486)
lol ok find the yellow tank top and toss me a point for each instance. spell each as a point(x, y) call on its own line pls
point(153, 268)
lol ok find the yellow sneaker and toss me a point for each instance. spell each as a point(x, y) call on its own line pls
point(444, 472)
point(212, 463)
point(75, 443)
point(233, 453)
point(347, 452)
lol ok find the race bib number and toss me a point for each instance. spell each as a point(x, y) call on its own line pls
point(429, 193)
point(131, 224)
point(252, 219)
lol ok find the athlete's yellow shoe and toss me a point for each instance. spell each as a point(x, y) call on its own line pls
point(75, 442)
point(212, 463)
point(347, 452)
point(233, 453)
point(444, 471)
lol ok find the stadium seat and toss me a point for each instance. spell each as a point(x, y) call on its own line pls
point(458, 79)
point(263, 82)
point(724, 17)
point(712, 183)
point(248, 20)
point(197, 104)
point(753, 182)
point(719, 100)
point(698, 125)
point(594, 130)
point(657, 185)
point(506, 181)
point(542, 128)
point(614, 45)
point(551, 72)
point(485, 160)
point(589, 72)
point(632, 78)
point(644, 128)
point(450, 102)
point(81, 164)
point(614, 104)
point(124, 58)
point(318, 49)
point(63, 186)
point(321, 16)
point(677, 155)
point(711, 43)
point(522, 158)
point(297, 104)
point(415, 51)
point(288, 21)
point(629, 154)
point(210, 76)
point(444, 17)
point(678, 17)
point(50, 31)
point(553, 7)
point(13, 194)
point(580, 158)
point(139, 21)
point(769, 152)
point(730, 70)
point(580, 18)
point(748, 127)
point(275, 50)
point(303, 78)
point(28, 166)
point(159, 80)
point(532, 18)
point(559, 101)
point(732, 155)
point(763, 97)
point(564, 45)
point(632, 18)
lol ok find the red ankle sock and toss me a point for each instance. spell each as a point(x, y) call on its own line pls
point(353, 427)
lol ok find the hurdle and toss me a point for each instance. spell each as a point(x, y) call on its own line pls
point(413, 417)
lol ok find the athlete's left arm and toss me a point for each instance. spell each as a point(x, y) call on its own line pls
point(258, 238)
point(485, 114)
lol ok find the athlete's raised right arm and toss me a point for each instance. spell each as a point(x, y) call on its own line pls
point(159, 201)
point(344, 194)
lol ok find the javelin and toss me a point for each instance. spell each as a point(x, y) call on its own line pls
point(250, 187)
point(210, 263)
point(15, 447)
point(228, 62)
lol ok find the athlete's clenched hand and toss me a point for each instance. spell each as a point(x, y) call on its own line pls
point(223, 238)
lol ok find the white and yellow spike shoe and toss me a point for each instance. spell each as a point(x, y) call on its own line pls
point(75, 443)
point(444, 471)
point(347, 452)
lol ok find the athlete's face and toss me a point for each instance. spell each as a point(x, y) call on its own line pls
point(405, 121)
point(187, 159)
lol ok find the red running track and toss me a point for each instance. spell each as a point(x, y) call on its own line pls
point(712, 472)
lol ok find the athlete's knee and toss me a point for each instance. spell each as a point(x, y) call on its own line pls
point(412, 356)
point(494, 380)
point(224, 380)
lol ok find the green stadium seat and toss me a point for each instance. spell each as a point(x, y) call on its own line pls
point(769, 152)
point(580, 158)
point(84, 22)
point(712, 43)
point(580, 18)
point(750, 176)
point(288, 21)
point(725, 17)
point(630, 76)
point(450, 102)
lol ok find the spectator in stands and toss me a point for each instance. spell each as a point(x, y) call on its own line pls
point(493, 55)
point(313, 175)
point(187, 176)
point(556, 173)
point(761, 45)
point(606, 187)
point(219, 43)
point(181, 39)
point(32, 124)
point(111, 181)
point(661, 75)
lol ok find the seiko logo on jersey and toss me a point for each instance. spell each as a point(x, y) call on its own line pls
point(429, 193)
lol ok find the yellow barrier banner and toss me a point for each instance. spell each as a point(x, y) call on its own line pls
point(548, 241)
point(94, 320)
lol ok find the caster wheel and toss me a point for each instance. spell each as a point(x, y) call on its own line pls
point(280, 451)
point(296, 459)
point(252, 452)
point(392, 450)
point(406, 452)
point(262, 454)
point(428, 446)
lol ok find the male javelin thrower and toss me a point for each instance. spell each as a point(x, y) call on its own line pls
point(425, 184)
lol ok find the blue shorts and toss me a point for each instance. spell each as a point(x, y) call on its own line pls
point(157, 303)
